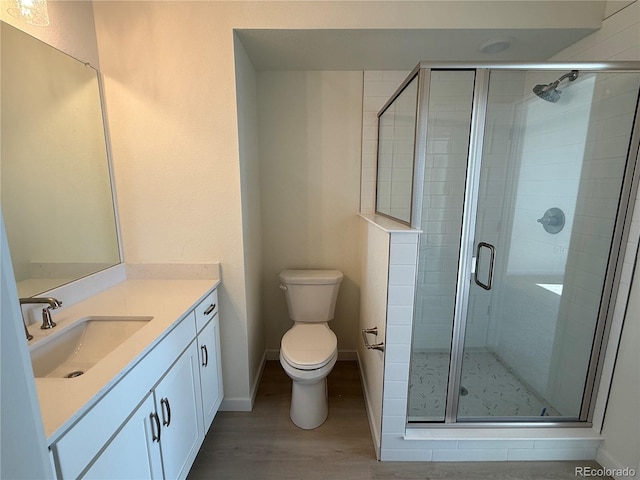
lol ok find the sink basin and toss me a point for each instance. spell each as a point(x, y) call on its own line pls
point(71, 352)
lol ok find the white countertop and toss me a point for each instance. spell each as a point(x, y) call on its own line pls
point(63, 400)
point(387, 224)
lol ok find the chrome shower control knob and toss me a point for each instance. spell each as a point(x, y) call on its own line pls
point(552, 220)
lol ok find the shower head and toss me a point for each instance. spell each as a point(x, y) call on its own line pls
point(550, 92)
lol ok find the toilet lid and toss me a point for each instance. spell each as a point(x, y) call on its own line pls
point(308, 346)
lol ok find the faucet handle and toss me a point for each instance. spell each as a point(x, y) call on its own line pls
point(51, 302)
point(47, 321)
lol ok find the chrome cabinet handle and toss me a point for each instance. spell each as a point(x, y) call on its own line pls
point(210, 309)
point(205, 355)
point(492, 250)
point(153, 416)
point(166, 420)
point(371, 331)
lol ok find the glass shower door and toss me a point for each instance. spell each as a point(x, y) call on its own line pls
point(447, 138)
point(551, 176)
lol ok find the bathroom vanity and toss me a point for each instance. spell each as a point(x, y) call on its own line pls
point(143, 410)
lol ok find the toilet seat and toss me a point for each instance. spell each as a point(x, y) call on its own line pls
point(309, 346)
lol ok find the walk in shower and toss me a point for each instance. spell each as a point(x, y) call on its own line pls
point(521, 179)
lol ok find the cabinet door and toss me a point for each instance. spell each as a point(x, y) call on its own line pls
point(132, 452)
point(179, 406)
point(210, 370)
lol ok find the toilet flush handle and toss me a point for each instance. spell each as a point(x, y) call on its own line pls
point(283, 288)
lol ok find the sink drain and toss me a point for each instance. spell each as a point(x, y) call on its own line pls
point(463, 391)
point(74, 374)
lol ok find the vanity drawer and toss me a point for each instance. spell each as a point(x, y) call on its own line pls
point(206, 310)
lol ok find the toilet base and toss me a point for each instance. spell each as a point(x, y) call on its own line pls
point(309, 404)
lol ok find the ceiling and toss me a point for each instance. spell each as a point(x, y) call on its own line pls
point(396, 49)
point(432, 30)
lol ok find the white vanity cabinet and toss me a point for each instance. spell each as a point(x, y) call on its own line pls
point(151, 423)
point(210, 370)
point(208, 324)
point(177, 419)
point(169, 422)
point(132, 453)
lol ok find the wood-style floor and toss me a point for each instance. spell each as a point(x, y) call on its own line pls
point(264, 443)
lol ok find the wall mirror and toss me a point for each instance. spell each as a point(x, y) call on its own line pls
point(396, 143)
point(55, 182)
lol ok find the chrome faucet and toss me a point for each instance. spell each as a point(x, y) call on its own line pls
point(47, 322)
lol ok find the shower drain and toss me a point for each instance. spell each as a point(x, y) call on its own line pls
point(74, 374)
point(463, 391)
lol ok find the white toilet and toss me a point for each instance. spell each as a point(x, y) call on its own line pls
point(309, 349)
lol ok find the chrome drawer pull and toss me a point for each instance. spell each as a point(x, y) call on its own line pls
point(211, 308)
point(205, 355)
point(166, 421)
point(153, 416)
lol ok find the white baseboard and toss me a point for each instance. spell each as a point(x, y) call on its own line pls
point(272, 355)
point(256, 381)
point(347, 356)
point(244, 404)
point(235, 405)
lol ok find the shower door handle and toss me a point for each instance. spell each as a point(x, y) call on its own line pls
point(492, 250)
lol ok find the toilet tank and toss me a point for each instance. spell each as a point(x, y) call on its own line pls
point(311, 294)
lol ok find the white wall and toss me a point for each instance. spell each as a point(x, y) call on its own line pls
point(309, 129)
point(175, 145)
point(619, 39)
point(246, 85)
point(374, 266)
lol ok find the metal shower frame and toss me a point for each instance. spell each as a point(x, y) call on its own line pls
point(620, 233)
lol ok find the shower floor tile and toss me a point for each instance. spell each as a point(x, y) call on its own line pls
point(490, 389)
